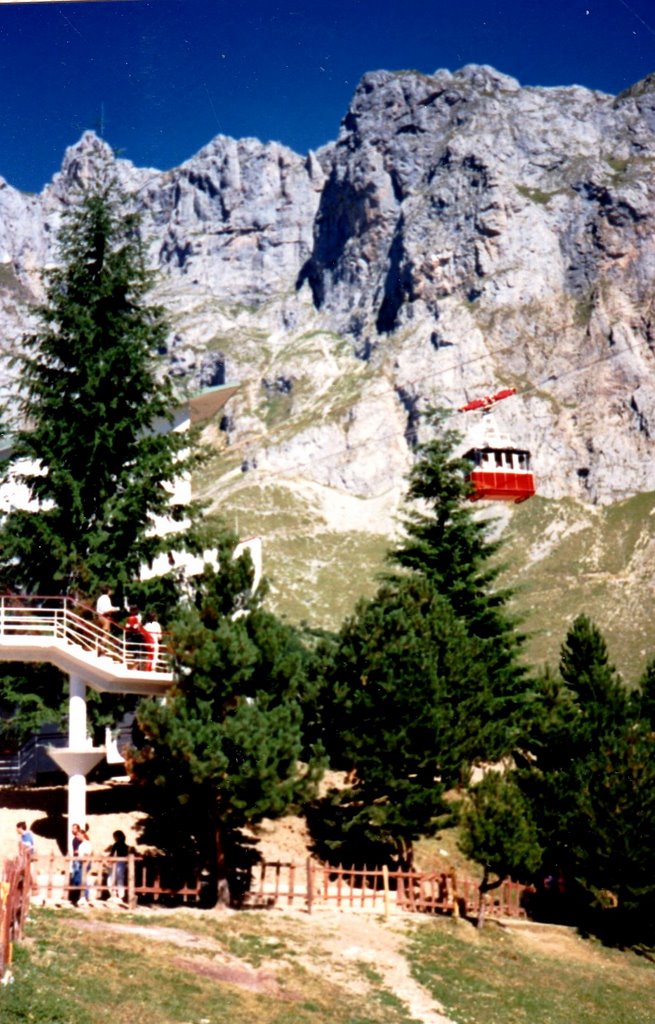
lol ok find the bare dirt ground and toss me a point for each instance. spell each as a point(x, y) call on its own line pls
point(359, 951)
point(44, 809)
point(110, 806)
point(339, 943)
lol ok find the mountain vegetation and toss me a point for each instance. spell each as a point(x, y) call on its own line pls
point(236, 968)
point(96, 456)
point(462, 233)
point(588, 773)
point(224, 749)
point(424, 680)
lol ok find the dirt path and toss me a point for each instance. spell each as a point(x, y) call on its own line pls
point(359, 951)
point(354, 939)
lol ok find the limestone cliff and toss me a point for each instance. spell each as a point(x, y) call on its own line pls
point(461, 234)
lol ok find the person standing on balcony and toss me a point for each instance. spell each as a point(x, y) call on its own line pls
point(152, 630)
point(106, 609)
point(135, 638)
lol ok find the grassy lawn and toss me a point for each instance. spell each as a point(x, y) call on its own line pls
point(69, 971)
point(265, 968)
point(540, 977)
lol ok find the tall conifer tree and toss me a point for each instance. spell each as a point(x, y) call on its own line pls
point(402, 711)
point(425, 678)
point(448, 544)
point(94, 451)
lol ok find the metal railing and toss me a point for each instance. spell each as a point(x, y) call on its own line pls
point(32, 616)
point(31, 758)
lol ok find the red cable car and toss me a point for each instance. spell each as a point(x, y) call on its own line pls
point(499, 473)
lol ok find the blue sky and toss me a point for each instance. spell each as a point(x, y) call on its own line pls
point(162, 77)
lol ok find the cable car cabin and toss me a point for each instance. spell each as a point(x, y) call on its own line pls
point(500, 474)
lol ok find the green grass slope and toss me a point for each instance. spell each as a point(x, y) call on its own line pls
point(192, 967)
point(530, 975)
point(562, 558)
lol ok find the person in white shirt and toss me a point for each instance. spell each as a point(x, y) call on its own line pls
point(105, 609)
point(153, 630)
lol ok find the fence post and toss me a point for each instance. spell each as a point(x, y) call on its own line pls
point(310, 885)
point(5, 917)
point(131, 881)
point(26, 890)
point(385, 890)
point(455, 895)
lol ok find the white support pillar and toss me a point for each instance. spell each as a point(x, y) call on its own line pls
point(77, 741)
point(77, 716)
point(78, 758)
point(76, 804)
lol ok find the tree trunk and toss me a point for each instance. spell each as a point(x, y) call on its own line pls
point(485, 887)
point(405, 854)
point(223, 896)
point(218, 886)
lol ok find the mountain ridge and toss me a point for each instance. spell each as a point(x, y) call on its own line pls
point(463, 233)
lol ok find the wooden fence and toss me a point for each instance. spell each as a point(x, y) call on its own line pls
point(131, 879)
point(311, 886)
point(314, 885)
point(14, 903)
point(57, 880)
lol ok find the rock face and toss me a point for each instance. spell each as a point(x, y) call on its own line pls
point(462, 234)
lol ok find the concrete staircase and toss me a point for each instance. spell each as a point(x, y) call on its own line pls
point(58, 631)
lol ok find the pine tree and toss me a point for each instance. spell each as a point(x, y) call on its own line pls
point(94, 452)
point(29, 698)
point(224, 749)
point(589, 778)
point(449, 545)
point(425, 679)
point(498, 831)
point(571, 749)
point(643, 697)
point(402, 709)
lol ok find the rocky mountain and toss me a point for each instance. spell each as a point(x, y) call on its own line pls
point(462, 234)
